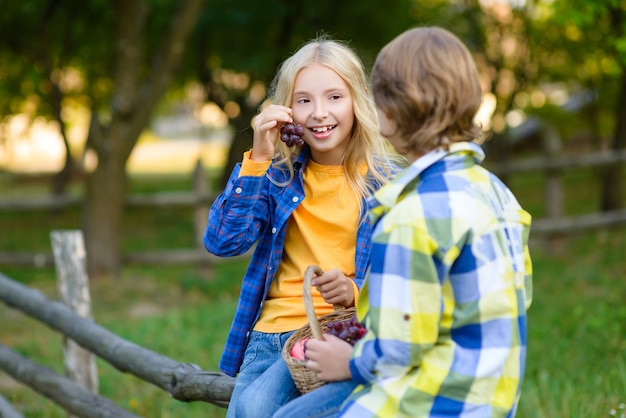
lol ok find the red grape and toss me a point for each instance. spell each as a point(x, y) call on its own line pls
point(348, 330)
point(292, 134)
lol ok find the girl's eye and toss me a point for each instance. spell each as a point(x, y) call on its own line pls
point(335, 97)
point(303, 100)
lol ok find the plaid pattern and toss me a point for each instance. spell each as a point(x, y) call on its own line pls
point(445, 300)
point(256, 208)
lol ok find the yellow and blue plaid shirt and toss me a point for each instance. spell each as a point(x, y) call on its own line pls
point(446, 295)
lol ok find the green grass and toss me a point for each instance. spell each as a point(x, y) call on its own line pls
point(577, 330)
point(179, 312)
point(576, 366)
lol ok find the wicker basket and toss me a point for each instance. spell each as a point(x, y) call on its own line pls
point(305, 379)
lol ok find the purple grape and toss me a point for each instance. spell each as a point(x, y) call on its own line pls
point(292, 134)
point(288, 129)
point(348, 330)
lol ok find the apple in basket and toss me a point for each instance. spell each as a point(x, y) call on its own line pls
point(297, 351)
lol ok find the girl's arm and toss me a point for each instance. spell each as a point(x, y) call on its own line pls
point(241, 211)
point(238, 215)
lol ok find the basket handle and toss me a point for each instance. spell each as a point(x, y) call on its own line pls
point(308, 300)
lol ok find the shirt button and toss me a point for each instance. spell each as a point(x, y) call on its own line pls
point(274, 230)
point(238, 190)
point(294, 199)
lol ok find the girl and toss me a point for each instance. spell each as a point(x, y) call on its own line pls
point(302, 205)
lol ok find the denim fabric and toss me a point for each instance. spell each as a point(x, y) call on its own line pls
point(323, 402)
point(262, 351)
point(268, 393)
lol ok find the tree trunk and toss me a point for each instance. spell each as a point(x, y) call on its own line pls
point(103, 210)
point(134, 98)
point(612, 184)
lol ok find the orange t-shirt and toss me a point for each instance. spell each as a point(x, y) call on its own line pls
point(322, 231)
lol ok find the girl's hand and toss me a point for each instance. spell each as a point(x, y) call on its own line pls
point(330, 358)
point(267, 126)
point(335, 288)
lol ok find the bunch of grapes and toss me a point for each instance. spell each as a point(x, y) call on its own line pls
point(292, 134)
point(348, 330)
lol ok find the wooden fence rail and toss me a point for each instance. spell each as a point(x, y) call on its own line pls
point(7, 410)
point(185, 382)
point(559, 162)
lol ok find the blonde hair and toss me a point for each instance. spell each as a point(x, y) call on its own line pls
point(366, 144)
point(427, 82)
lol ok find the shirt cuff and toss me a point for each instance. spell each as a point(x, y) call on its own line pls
point(356, 292)
point(253, 168)
point(356, 376)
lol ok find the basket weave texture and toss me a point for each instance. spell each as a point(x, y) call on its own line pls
point(305, 379)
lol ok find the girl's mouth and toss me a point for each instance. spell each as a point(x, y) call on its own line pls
point(322, 131)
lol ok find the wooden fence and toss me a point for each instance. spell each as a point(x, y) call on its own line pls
point(551, 229)
point(553, 166)
point(200, 199)
point(83, 337)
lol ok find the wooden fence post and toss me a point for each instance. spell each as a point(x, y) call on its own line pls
point(551, 142)
point(202, 187)
point(70, 258)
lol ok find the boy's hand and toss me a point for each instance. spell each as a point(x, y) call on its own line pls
point(335, 288)
point(330, 358)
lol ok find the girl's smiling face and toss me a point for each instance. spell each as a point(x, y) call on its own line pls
point(322, 103)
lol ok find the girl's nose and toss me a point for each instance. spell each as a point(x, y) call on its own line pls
point(319, 112)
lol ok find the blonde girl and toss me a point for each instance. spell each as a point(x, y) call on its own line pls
point(301, 205)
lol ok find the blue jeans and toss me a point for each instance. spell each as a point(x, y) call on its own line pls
point(268, 393)
point(262, 351)
point(323, 402)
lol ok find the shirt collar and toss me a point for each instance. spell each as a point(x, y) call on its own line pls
point(387, 196)
point(302, 158)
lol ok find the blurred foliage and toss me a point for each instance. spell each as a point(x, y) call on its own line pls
point(522, 48)
point(554, 60)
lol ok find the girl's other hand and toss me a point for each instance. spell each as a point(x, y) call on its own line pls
point(267, 126)
point(335, 288)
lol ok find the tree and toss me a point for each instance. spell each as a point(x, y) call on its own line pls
point(138, 86)
point(128, 56)
point(582, 44)
point(124, 56)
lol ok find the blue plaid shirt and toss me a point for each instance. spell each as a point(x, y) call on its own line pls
point(256, 208)
point(446, 298)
